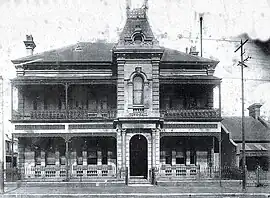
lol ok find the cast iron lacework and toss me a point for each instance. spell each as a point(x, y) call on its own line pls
point(39, 127)
point(197, 126)
point(90, 126)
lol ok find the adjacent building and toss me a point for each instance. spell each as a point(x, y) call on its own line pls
point(257, 138)
point(107, 110)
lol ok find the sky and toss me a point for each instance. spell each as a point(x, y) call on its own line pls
point(175, 23)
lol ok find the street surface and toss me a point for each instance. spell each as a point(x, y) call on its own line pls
point(69, 191)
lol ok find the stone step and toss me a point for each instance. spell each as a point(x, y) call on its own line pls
point(138, 181)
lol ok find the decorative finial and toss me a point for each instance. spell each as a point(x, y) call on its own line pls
point(128, 4)
point(145, 4)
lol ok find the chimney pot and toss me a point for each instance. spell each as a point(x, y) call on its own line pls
point(193, 51)
point(254, 110)
point(29, 45)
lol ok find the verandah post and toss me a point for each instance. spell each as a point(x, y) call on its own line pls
point(67, 139)
point(220, 165)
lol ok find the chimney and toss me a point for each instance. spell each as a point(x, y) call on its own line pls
point(30, 45)
point(254, 110)
point(193, 51)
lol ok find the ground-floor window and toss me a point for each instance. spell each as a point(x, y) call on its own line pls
point(253, 162)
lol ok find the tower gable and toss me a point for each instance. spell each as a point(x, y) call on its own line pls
point(137, 32)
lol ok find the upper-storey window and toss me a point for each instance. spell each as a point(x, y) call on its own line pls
point(138, 90)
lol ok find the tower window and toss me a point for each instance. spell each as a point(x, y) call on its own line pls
point(137, 90)
point(137, 38)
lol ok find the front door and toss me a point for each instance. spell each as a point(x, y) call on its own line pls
point(138, 156)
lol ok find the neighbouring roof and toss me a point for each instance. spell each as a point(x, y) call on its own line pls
point(255, 146)
point(254, 129)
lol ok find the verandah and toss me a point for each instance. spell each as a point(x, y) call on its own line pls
point(57, 158)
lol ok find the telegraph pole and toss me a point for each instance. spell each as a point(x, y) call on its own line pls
point(2, 138)
point(242, 64)
point(201, 24)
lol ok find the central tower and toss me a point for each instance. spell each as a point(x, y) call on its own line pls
point(138, 56)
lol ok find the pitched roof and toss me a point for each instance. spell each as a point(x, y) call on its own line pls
point(136, 23)
point(171, 55)
point(80, 52)
point(103, 52)
point(254, 129)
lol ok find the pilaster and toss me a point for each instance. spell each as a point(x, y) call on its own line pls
point(119, 151)
point(124, 165)
point(153, 148)
point(155, 85)
point(120, 86)
point(157, 147)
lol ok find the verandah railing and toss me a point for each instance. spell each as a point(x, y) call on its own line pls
point(190, 113)
point(64, 114)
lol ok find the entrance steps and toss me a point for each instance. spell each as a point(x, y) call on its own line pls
point(138, 181)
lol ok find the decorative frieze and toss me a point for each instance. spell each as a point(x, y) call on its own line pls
point(68, 73)
point(90, 126)
point(39, 127)
point(194, 126)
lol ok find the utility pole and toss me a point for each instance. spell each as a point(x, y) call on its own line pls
point(242, 64)
point(201, 24)
point(2, 138)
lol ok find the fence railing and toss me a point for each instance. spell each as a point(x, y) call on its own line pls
point(198, 172)
point(258, 176)
point(73, 114)
point(60, 172)
point(188, 171)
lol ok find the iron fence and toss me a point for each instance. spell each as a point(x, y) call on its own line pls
point(258, 176)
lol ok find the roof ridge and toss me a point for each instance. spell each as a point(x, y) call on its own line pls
point(264, 122)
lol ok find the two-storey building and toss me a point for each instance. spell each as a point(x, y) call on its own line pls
point(101, 110)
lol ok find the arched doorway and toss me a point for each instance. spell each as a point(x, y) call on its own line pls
point(138, 156)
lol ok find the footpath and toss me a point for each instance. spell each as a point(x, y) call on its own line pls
point(71, 190)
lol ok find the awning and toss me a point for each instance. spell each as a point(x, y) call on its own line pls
point(254, 148)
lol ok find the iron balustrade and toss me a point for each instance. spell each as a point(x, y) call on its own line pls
point(190, 113)
point(73, 114)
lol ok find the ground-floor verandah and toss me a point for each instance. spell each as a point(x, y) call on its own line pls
point(135, 153)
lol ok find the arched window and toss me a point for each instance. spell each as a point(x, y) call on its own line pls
point(138, 38)
point(137, 90)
